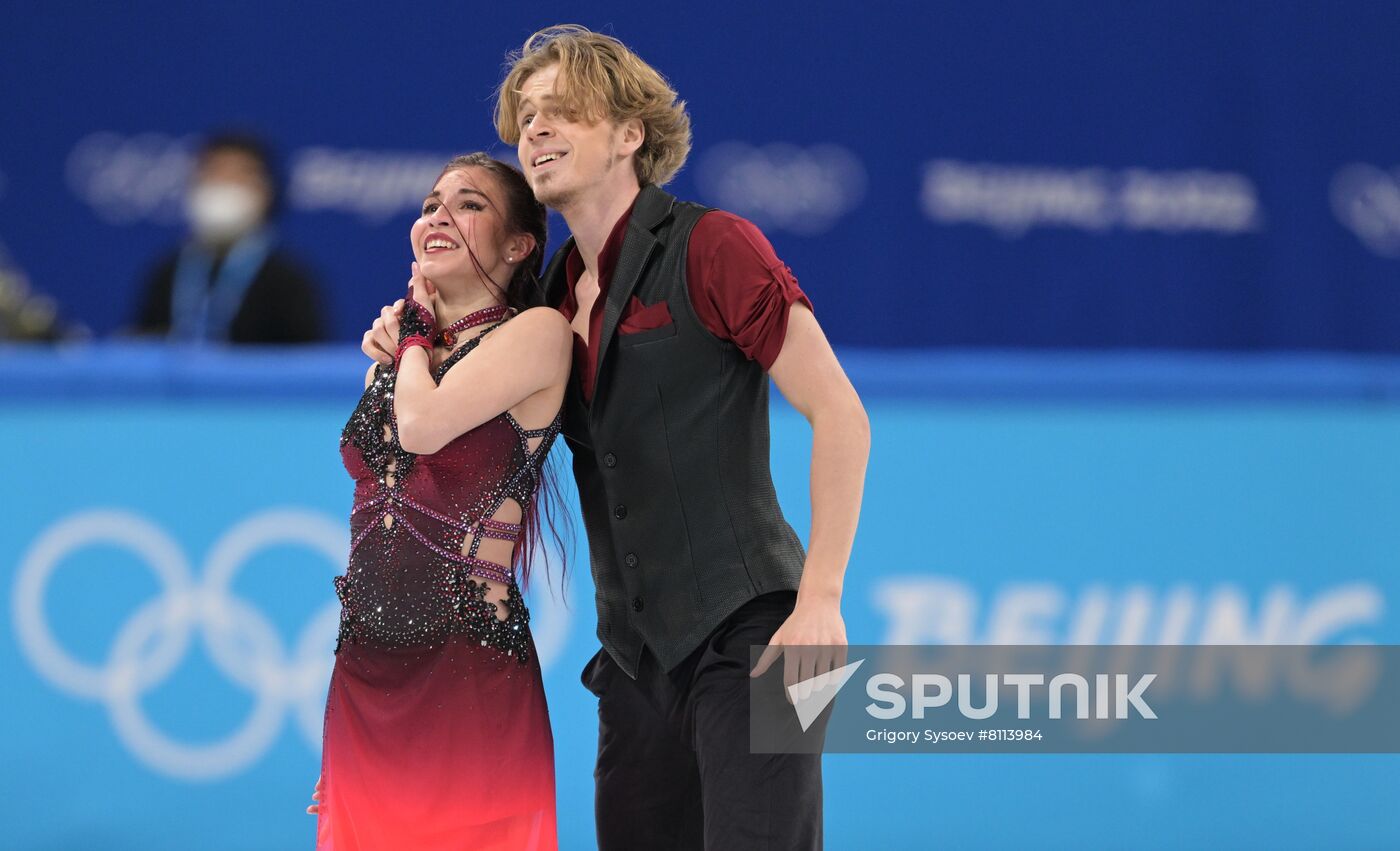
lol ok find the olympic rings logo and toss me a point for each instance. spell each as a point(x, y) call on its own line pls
point(241, 642)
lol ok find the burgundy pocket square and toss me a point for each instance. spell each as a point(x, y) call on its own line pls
point(640, 317)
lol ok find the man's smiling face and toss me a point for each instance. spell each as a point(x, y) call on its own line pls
point(564, 156)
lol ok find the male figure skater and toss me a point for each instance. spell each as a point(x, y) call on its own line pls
point(681, 314)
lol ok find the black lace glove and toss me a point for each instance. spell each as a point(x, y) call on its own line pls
point(416, 320)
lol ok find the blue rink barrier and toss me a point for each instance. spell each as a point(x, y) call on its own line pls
point(1010, 498)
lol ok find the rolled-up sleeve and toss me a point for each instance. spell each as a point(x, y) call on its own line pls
point(739, 287)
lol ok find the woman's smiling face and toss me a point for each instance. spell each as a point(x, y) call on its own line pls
point(460, 219)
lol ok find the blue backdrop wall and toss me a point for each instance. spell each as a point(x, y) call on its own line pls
point(1187, 174)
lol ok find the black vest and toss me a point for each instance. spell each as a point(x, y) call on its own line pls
point(671, 457)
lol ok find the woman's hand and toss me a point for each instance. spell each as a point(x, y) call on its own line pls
point(419, 317)
point(422, 293)
point(382, 339)
point(315, 809)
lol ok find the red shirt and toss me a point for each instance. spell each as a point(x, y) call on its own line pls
point(740, 289)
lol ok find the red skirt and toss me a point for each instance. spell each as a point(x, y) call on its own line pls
point(435, 748)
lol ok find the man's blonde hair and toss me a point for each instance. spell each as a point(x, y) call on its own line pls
point(600, 77)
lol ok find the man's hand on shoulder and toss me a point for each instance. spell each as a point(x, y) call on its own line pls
point(381, 341)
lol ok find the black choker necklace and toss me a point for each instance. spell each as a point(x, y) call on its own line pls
point(448, 336)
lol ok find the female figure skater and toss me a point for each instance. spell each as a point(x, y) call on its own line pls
point(436, 730)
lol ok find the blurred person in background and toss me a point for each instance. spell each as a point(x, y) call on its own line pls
point(437, 734)
point(231, 281)
point(27, 316)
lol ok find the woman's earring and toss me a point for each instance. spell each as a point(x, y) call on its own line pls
point(510, 259)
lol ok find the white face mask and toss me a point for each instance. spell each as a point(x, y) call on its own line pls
point(222, 212)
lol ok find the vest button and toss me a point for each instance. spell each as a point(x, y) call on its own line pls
point(636, 604)
point(610, 459)
point(631, 559)
point(620, 511)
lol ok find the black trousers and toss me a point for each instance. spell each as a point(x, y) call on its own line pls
point(674, 769)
